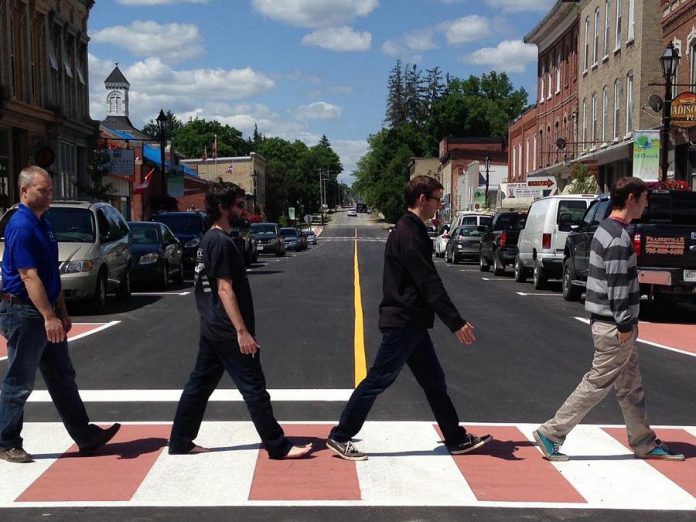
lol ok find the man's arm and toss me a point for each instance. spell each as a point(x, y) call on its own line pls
point(247, 343)
point(616, 265)
point(55, 331)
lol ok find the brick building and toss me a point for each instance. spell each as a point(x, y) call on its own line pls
point(523, 139)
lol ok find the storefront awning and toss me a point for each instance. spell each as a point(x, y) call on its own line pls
point(608, 154)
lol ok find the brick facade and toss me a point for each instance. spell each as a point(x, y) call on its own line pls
point(523, 140)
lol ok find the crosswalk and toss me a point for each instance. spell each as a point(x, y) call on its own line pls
point(407, 466)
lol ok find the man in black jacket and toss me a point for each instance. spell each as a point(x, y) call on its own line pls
point(413, 294)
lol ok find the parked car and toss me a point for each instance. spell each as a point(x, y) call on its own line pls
point(311, 238)
point(432, 234)
point(157, 254)
point(470, 218)
point(542, 240)
point(94, 250)
point(499, 241)
point(441, 240)
point(465, 242)
point(269, 239)
point(292, 238)
point(189, 228)
point(246, 242)
point(664, 240)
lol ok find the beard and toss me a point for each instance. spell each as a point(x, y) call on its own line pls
point(234, 220)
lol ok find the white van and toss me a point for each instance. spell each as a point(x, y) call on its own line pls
point(471, 218)
point(542, 240)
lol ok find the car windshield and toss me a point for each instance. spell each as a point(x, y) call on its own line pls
point(142, 234)
point(471, 230)
point(511, 221)
point(288, 232)
point(263, 228)
point(71, 225)
point(576, 209)
point(182, 223)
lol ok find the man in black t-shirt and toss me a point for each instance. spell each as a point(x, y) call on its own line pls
point(227, 342)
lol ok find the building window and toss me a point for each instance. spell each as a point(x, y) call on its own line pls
point(607, 9)
point(67, 178)
point(566, 64)
point(629, 103)
point(617, 108)
point(595, 46)
point(605, 113)
point(541, 148)
point(692, 64)
point(618, 25)
point(631, 20)
point(594, 118)
point(587, 44)
point(541, 91)
point(548, 78)
point(558, 72)
point(526, 157)
point(534, 154)
point(584, 123)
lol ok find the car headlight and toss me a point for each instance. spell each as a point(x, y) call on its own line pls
point(74, 267)
point(148, 259)
point(192, 243)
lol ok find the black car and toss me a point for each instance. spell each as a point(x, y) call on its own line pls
point(464, 242)
point(268, 238)
point(189, 228)
point(246, 242)
point(157, 254)
point(499, 241)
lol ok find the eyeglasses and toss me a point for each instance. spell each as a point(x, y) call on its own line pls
point(432, 197)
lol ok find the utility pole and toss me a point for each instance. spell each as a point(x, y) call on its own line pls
point(322, 189)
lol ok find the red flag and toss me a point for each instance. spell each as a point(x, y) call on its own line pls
point(205, 154)
point(215, 148)
point(142, 187)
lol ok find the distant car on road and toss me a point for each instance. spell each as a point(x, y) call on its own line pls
point(189, 228)
point(268, 238)
point(352, 212)
point(157, 254)
point(464, 242)
point(292, 238)
point(311, 238)
point(441, 240)
point(499, 242)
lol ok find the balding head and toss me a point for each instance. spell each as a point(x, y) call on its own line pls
point(27, 177)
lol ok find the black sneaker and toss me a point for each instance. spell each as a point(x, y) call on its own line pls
point(470, 443)
point(16, 455)
point(345, 450)
point(100, 438)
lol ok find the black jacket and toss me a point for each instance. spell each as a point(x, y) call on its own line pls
point(413, 290)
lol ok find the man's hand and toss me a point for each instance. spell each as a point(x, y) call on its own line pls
point(624, 336)
point(465, 334)
point(55, 331)
point(65, 319)
point(247, 343)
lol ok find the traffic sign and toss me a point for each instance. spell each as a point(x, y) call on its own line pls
point(541, 183)
point(308, 218)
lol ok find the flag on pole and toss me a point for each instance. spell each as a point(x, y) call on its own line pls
point(205, 154)
point(215, 148)
point(142, 187)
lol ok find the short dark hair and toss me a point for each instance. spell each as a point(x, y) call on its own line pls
point(625, 186)
point(221, 195)
point(420, 185)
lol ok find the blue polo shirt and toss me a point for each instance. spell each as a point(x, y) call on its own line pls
point(30, 243)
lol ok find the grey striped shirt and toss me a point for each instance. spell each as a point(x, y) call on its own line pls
point(613, 291)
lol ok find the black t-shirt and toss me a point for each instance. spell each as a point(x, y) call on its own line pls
point(219, 257)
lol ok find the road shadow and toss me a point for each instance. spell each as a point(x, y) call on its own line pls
point(264, 272)
point(123, 450)
point(113, 306)
point(680, 313)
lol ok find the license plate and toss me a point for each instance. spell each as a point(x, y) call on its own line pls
point(259, 248)
point(689, 275)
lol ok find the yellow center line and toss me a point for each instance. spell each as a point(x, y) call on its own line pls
point(359, 342)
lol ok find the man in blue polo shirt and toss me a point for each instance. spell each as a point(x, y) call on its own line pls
point(35, 322)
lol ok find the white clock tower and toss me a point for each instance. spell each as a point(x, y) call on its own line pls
point(117, 97)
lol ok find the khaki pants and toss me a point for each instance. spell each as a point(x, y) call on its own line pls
point(614, 365)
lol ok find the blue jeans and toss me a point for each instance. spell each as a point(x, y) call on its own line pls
point(28, 349)
point(214, 358)
point(402, 346)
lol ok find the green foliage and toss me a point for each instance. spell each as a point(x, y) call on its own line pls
point(582, 180)
point(98, 167)
point(151, 128)
point(194, 137)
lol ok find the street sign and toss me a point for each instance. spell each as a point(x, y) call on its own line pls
point(541, 183)
point(684, 110)
point(308, 218)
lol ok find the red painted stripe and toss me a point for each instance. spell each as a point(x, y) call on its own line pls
point(681, 473)
point(679, 336)
point(77, 329)
point(511, 469)
point(322, 476)
point(113, 474)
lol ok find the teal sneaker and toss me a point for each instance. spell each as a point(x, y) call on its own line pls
point(661, 452)
point(549, 448)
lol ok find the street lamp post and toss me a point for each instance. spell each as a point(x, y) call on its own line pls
point(669, 61)
point(487, 163)
point(162, 124)
point(254, 178)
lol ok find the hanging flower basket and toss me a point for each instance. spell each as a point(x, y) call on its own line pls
point(670, 184)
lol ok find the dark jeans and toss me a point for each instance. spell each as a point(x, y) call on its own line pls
point(28, 349)
point(399, 346)
point(214, 358)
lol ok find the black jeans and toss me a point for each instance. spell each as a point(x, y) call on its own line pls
point(399, 346)
point(214, 358)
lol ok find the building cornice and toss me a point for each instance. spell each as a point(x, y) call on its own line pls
point(555, 24)
point(674, 20)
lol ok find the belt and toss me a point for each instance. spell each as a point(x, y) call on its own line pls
point(14, 299)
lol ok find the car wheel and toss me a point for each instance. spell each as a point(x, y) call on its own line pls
point(163, 276)
point(538, 276)
point(483, 265)
point(498, 266)
point(179, 276)
point(124, 290)
point(99, 299)
point(570, 292)
point(455, 259)
point(520, 274)
point(448, 259)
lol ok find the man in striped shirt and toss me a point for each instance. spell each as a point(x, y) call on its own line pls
point(613, 300)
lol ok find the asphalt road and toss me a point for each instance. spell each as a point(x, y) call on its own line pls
point(530, 353)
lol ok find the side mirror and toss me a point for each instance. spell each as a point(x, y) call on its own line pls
point(574, 228)
point(565, 221)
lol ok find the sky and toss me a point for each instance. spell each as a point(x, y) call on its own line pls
point(299, 69)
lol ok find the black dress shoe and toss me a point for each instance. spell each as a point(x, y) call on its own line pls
point(100, 438)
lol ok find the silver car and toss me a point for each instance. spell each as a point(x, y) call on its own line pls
point(94, 249)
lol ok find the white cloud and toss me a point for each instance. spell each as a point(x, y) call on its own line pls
point(350, 151)
point(517, 6)
point(509, 55)
point(159, 2)
point(339, 39)
point(421, 40)
point(318, 111)
point(170, 42)
point(399, 49)
point(315, 13)
point(465, 29)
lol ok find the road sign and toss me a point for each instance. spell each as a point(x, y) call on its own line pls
point(308, 218)
point(541, 183)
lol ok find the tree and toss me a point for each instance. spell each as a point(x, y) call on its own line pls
point(151, 128)
point(195, 136)
point(582, 180)
point(396, 97)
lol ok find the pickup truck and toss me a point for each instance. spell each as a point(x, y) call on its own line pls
point(499, 242)
point(664, 239)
